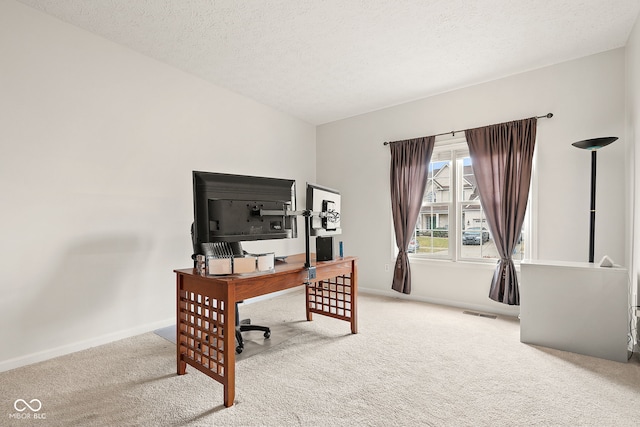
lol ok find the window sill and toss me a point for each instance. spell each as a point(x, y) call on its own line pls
point(463, 263)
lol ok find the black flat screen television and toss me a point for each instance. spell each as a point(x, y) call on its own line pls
point(324, 202)
point(227, 208)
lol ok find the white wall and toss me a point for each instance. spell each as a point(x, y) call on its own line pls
point(586, 97)
point(97, 148)
point(632, 132)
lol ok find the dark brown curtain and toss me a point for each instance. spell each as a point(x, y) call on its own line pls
point(502, 158)
point(409, 168)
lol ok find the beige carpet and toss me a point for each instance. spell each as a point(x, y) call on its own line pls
point(254, 341)
point(411, 364)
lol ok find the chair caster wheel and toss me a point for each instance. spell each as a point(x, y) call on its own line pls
point(239, 350)
point(267, 334)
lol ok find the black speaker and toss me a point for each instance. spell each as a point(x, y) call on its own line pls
point(324, 248)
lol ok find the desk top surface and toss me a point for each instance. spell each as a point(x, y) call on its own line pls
point(291, 264)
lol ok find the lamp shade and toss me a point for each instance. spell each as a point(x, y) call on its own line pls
point(595, 143)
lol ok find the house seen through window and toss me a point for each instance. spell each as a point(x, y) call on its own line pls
point(451, 223)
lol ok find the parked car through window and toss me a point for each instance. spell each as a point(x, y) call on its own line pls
point(475, 236)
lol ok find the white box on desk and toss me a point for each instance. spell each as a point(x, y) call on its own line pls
point(266, 261)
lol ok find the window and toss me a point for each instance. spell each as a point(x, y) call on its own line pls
point(451, 224)
point(432, 226)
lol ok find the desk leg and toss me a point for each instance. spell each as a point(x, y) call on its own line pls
point(335, 296)
point(354, 297)
point(307, 305)
point(230, 347)
point(181, 364)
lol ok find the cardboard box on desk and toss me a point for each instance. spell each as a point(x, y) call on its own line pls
point(231, 265)
point(219, 266)
point(246, 264)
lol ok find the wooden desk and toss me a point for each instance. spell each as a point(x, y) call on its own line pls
point(206, 309)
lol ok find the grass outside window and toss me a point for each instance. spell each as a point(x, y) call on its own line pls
point(430, 245)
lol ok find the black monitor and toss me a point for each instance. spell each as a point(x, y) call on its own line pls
point(231, 208)
point(324, 202)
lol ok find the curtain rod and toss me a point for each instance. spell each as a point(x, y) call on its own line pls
point(453, 132)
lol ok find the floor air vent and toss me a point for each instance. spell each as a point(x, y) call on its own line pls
point(475, 313)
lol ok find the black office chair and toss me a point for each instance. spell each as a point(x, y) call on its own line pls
point(241, 325)
point(245, 326)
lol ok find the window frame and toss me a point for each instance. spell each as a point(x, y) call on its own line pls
point(458, 149)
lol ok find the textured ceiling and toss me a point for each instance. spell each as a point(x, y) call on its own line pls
point(327, 60)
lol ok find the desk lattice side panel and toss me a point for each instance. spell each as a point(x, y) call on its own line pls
point(201, 321)
point(331, 297)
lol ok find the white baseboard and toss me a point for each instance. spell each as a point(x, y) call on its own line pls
point(7, 365)
point(513, 312)
point(41, 356)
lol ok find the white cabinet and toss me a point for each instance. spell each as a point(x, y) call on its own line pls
point(575, 306)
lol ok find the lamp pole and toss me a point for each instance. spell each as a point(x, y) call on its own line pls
point(593, 145)
point(592, 225)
